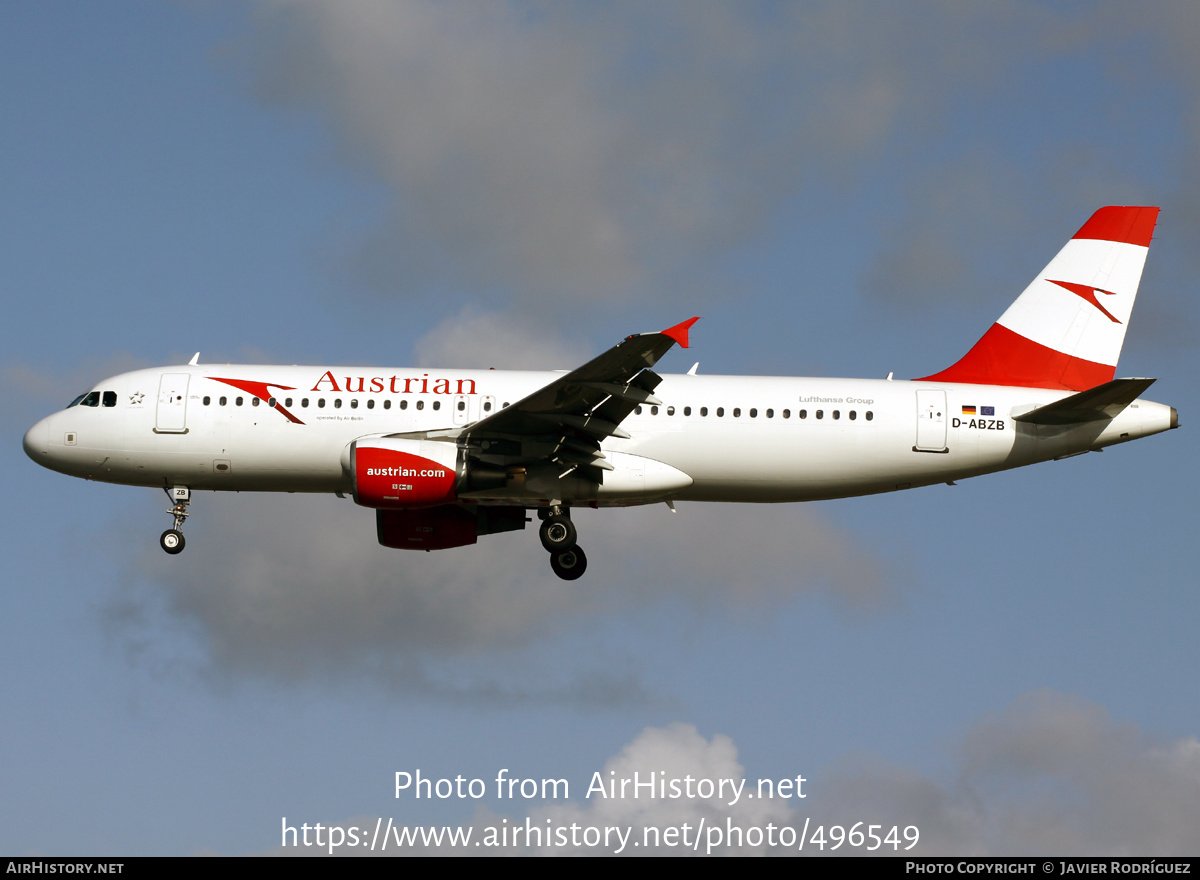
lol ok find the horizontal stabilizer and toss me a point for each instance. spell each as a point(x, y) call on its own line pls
point(1096, 404)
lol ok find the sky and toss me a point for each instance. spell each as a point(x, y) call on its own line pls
point(837, 189)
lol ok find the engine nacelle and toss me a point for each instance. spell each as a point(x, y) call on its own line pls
point(404, 474)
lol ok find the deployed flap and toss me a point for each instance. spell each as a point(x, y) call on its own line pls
point(1096, 404)
point(567, 419)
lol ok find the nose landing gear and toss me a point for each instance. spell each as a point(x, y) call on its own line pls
point(558, 536)
point(172, 539)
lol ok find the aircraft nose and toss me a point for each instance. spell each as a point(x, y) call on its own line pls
point(36, 441)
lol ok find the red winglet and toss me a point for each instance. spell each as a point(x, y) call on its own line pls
point(680, 331)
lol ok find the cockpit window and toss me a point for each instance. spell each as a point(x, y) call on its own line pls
point(78, 400)
point(92, 398)
point(110, 398)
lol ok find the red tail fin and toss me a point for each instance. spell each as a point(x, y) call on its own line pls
point(1066, 329)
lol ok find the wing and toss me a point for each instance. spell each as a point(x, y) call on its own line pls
point(565, 421)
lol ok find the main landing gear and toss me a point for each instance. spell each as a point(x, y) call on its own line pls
point(172, 539)
point(558, 536)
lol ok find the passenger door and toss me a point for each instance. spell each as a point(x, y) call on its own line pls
point(171, 417)
point(931, 421)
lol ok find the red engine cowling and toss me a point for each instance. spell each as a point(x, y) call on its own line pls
point(404, 474)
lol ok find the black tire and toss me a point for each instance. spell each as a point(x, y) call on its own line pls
point(172, 541)
point(569, 564)
point(557, 534)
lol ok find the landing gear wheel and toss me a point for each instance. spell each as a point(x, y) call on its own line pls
point(172, 541)
point(569, 564)
point(557, 534)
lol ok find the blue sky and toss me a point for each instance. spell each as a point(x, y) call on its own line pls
point(837, 189)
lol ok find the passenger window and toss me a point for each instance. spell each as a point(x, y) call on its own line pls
point(787, 413)
point(754, 414)
point(287, 402)
point(337, 403)
point(437, 404)
point(91, 399)
point(403, 404)
point(320, 403)
point(370, 404)
point(110, 398)
point(387, 404)
point(870, 415)
point(462, 406)
point(770, 414)
point(687, 410)
point(271, 402)
point(222, 400)
point(820, 414)
point(704, 410)
point(853, 415)
point(487, 406)
point(238, 401)
point(354, 403)
point(837, 413)
point(303, 402)
point(720, 411)
point(670, 410)
point(420, 404)
point(637, 410)
point(737, 412)
point(207, 400)
point(654, 410)
point(803, 414)
point(254, 401)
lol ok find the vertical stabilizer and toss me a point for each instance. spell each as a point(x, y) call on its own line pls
point(1066, 329)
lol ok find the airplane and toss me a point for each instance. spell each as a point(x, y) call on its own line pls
point(445, 456)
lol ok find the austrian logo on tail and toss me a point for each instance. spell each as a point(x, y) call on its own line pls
point(1087, 292)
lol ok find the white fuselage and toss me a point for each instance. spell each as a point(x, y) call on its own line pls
point(714, 438)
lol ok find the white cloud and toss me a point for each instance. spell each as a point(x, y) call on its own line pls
point(561, 156)
point(671, 754)
point(294, 588)
point(472, 339)
point(1059, 775)
point(1050, 775)
point(568, 153)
